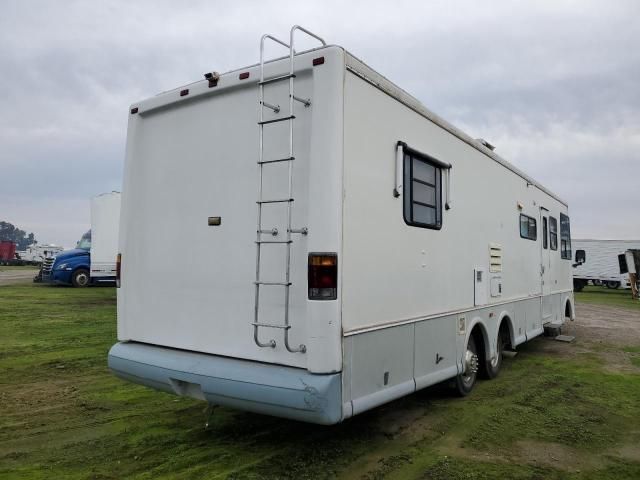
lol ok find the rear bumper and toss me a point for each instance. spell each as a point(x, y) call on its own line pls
point(246, 385)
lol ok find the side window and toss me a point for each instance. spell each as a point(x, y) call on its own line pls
point(528, 227)
point(544, 233)
point(581, 256)
point(553, 233)
point(565, 237)
point(422, 191)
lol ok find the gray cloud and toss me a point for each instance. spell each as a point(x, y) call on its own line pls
point(552, 84)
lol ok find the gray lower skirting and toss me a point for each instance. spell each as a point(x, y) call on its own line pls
point(257, 387)
point(380, 397)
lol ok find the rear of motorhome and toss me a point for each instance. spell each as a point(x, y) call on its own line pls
point(353, 247)
point(596, 261)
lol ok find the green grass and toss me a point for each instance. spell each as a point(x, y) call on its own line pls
point(634, 356)
point(619, 297)
point(63, 415)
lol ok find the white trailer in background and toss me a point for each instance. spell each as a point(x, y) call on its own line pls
point(38, 252)
point(353, 246)
point(105, 222)
point(597, 261)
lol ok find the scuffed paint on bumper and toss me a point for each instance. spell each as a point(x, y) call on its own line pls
point(246, 385)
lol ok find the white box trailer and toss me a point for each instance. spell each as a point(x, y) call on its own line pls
point(597, 261)
point(105, 223)
point(353, 247)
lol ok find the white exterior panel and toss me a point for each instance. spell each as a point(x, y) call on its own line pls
point(393, 272)
point(105, 221)
point(189, 285)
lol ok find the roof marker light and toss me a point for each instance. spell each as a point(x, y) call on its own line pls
point(213, 78)
point(184, 92)
point(318, 61)
point(134, 110)
point(244, 75)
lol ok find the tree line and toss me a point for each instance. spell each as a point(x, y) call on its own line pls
point(11, 233)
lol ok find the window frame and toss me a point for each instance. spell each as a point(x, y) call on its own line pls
point(553, 234)
point(529, 220)
point(409, 156)
point(545, 233)
point(565, 238)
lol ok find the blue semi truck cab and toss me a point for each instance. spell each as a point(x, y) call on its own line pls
point(71, 267)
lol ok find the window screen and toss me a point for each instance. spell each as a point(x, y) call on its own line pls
point(528, 227)
point(422, 192)
point(553, 233)
point(565, 237)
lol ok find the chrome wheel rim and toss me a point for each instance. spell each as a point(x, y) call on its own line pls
point(496, 360)
point(470, 367)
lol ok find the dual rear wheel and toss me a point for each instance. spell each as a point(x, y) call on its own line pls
point(474, 363)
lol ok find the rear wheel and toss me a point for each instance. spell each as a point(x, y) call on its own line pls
point(80, 278)
point(613, 284)
point(492, 366)
point(467, 379)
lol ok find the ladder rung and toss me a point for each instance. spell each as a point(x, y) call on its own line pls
point(283, 284)
point(277, 160)
point(277, 79)
point(276, 201)
point(281, 119)
point(271, 325)
point(274, 241)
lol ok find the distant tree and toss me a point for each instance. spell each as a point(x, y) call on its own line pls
point(9, 232)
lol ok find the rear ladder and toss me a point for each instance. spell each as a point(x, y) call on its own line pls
point(261, 202)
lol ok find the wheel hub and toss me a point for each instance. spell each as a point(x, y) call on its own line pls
point(470, 363)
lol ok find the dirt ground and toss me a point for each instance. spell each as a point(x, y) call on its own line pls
point(600, 323)
point(605, 332)
point(8, 277)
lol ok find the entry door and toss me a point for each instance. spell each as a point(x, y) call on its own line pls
point(545, 264)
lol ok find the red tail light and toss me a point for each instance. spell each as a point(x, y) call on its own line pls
point(118, 269)
point(323, 276)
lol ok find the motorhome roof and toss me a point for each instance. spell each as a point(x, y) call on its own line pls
point(361, 69)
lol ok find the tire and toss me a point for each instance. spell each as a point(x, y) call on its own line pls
point(80, 278)
point(463, 383)
point(578, 284)
point(612, 284)
point(491, 368)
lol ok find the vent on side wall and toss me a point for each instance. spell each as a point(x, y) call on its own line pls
point(495, 257)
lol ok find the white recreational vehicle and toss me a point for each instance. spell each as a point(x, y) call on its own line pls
point(354, 247)
point(597, 261)
point(37, 252)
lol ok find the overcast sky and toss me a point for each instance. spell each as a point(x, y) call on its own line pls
point(554, 85)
